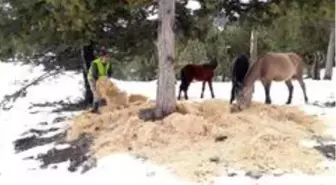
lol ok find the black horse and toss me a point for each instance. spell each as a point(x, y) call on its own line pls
point(239, 70)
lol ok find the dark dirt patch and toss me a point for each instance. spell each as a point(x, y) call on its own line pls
point(43, 123)
point(59, 119)
point(72, 107)
point(220, 138)
point(37, 139)
point(254, 174)
point(63, 106)
point(47, 104)
point(26, 143)
point(78, 154)
point(328, 104)
point(327, 150)
point(40, 132)
point(34, 112)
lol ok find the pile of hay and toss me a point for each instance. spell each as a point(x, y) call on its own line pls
point(203, 139)
point(115, 98)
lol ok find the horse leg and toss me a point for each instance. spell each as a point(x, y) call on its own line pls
point(182, 87)
point(185, 89)
point(267, 87)
point(232, 93)
point(179, 95)
point(186, 94)
point(303, 87)
point(203, 88)
point(290, 90)
point(211, 89)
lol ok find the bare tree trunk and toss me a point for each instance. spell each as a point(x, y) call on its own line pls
point(223, 77)
point(316, 70)
point(87, 53)
point(253, 45)
point(330, 55)
point(165, 97)
point(318, 60)
point(308, 63)
point(309, 71)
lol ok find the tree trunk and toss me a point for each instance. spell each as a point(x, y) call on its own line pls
point(165, 94)
point(223, 77)
point(87, 53)
point(316, 69)
point(309, 71)
point(330, 55)
point(253, 46)
point(318, 60)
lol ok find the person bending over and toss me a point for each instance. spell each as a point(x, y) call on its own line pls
point(100, 67)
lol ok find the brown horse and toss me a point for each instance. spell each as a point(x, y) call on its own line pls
point(198, 72)
point(272, 67)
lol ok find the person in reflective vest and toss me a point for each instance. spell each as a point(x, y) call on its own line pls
point(100, 67)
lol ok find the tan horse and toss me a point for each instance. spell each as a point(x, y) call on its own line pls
point(272, 67)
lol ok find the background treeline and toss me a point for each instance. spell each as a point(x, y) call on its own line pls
point(68, 32)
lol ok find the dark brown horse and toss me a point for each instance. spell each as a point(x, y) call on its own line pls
point(199, 72)
point(240, 66)
point(272, 67)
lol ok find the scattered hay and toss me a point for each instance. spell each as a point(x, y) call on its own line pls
point(111, 93)
point(261, 138)
point(137, 98)
point(115, 98)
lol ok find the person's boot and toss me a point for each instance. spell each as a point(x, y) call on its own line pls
point(95, 107)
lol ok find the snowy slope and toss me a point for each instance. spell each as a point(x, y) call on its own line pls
point(27, 112)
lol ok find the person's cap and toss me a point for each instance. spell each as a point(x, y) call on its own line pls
point(105, 52)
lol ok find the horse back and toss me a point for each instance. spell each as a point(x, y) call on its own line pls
point(203, 72)
point(197, 72)
point(278, 65)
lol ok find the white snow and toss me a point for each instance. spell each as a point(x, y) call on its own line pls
point(121, 168)
point(191, 5)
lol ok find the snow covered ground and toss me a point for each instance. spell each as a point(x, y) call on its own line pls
point(31, 111)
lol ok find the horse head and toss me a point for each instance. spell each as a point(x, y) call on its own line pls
point(244, 95)
point(214, 62)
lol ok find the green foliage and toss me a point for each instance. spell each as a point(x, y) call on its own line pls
point(39, 26)
point(193, 53)
point(294, 30)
